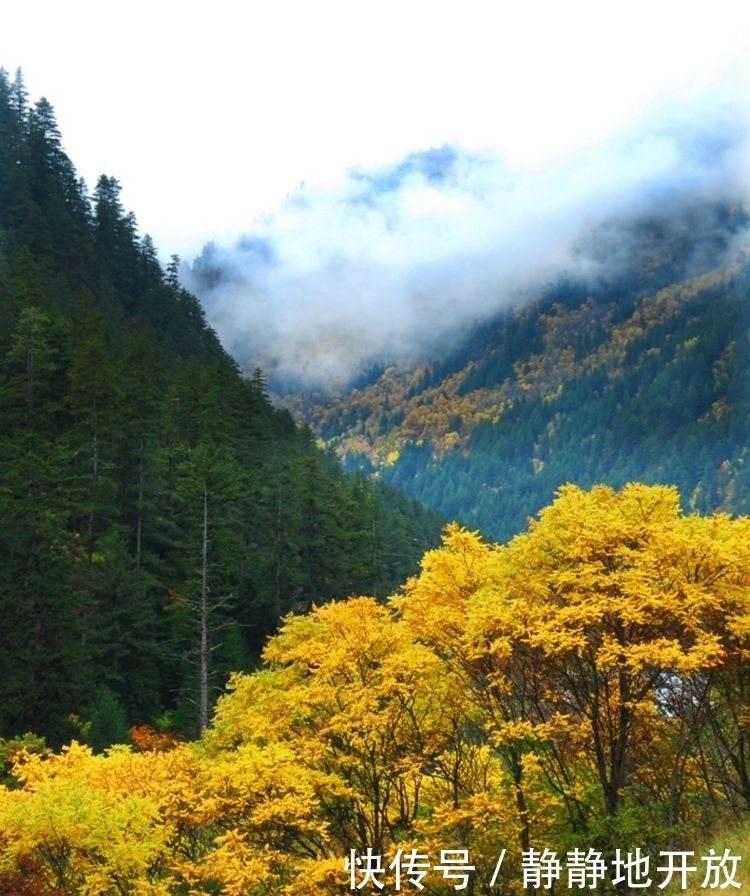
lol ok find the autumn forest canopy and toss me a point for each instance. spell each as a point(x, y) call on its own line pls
point(228, 666)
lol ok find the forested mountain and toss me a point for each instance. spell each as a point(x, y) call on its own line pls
point(639, 372)
point(570, 706)
point(158, 513)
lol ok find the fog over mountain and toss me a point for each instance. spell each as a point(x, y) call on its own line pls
point(391, 262)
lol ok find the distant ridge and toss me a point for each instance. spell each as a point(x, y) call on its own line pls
point(638, 374)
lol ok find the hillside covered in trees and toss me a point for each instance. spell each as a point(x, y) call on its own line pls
point(159, 515)
point(636, 372)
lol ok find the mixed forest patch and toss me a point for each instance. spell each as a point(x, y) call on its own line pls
point(574, 700)
point(639, 373)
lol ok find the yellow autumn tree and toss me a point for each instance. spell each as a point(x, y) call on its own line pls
point(383, 727)
point(353, 699)
point(97, 823)
point(605, 651)
point(597, 619)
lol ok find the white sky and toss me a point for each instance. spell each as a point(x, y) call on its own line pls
point(210, 114)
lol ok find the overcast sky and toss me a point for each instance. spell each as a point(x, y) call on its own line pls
point(211, 116)
point(210, 113)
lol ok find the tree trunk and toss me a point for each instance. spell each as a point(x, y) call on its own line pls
point(205, 649)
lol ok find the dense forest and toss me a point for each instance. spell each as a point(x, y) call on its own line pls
point(159, 515)
point(637, 373)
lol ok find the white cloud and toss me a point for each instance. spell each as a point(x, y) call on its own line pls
point(209, 115)
point(394, 258)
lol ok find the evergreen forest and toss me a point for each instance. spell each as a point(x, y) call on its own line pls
point(159, 515)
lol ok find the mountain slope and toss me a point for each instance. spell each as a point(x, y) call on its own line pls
point(159, 514)
point(638, 374)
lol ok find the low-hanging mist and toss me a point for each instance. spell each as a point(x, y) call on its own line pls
point(389, 264)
